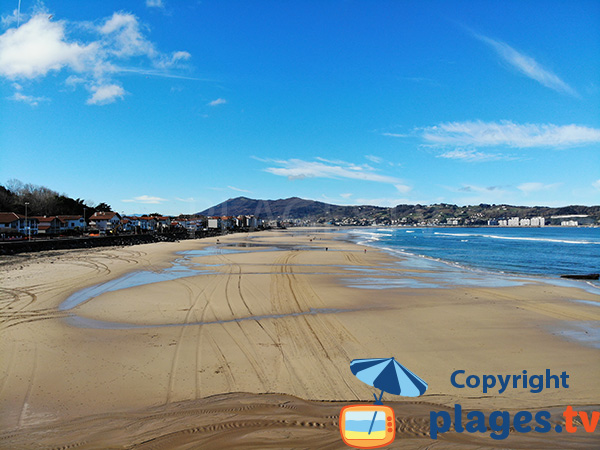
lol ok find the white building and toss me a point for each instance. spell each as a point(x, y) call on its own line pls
point(105, 221)
point(569, 223)
point(11, 221)
point(71, 223)
point(538, 222)
point(513, 222)
point(214, 222)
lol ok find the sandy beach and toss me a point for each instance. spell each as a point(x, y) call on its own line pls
point(246, 343)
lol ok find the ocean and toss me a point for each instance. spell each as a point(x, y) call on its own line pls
point(548, 252)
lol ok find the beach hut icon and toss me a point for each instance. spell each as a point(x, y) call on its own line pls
point(373, 425)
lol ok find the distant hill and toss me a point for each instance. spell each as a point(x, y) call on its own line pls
point(298, 208)
point(288, 208)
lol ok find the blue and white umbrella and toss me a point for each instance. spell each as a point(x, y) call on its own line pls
point(389, 376)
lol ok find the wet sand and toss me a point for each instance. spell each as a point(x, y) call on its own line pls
point(253, 351)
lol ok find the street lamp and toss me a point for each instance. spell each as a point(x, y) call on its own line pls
point(27, 222)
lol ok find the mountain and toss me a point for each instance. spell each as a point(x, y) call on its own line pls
point(298, 208)
point(287, 208)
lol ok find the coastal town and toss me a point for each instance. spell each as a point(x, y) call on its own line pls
point(13, 225)
point(109, 222)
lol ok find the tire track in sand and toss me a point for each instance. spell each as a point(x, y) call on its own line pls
point(322, 336)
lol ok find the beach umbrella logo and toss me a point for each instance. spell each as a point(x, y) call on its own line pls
point(372, 426)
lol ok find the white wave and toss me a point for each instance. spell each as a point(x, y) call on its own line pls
point(516, 238)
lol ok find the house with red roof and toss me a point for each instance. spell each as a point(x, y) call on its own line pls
point(11, 222)
point(72, 222)
point(105, 221)
point(48, 224)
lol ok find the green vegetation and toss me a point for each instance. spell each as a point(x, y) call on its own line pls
point(43, 201)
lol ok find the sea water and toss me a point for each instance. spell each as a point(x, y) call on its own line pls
point(548, 251)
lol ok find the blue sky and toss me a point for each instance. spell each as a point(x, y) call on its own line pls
point(171, 106)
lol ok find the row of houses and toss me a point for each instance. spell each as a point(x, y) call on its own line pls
point(518, 222)
point(13, 223)
point(573, 220)
point(109, 221)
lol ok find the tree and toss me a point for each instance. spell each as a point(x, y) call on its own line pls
point(102, 207)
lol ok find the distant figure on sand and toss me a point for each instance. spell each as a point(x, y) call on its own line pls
point(326, 248)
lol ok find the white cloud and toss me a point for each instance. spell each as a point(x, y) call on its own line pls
point(124, 37)
point(299, 169)
point(471, 194)
point(41, 45)
point(154, 3)
point(146, 199)
point(103, 95)
point(219, 101)
point(481, 189)
point(388, 202)
point(348, 195)
point(472, 155)
point(375, 159)
point(186, 200)
point(8, 20)
point(180, 56)
point(528, 66)
point(402, 188)
point(395, 135)
point(596, 184)
point(528, 188)
point(507, 133)
point(233, 188)
point(33, 101)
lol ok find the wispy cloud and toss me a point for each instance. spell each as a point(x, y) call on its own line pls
point(528, 188)
point(219, 101)
point(296, 169)
point(388, 202)
point(42, 45)
point(472, 155)
point(233, 188)
point(154, 3)
point(480, 189)
point(397, 135)
point(527, 66)
point(348, 195)
point(146, 199)
point(103, 95)
point(472, 194)
point(162, 73)
point(375, 159)
point(596, 184)
point(30, 100)
point(186, 200)
point(403, 188)
point(506, 133)
point(8, 20)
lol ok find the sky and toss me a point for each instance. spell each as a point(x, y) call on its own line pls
point(174, 106)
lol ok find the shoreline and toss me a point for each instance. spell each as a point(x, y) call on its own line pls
point(552, 278)
point(247, 326)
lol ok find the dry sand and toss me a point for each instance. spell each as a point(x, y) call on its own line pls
point(254, 350)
